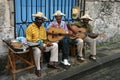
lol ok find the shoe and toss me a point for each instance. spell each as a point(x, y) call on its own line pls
point(65, 62)
point(92, 57)
point(80, 59)
point(55, 66)
point(38, 73)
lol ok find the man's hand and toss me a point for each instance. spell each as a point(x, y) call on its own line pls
point(42, 48)
point(93, 35)
point(49, 44)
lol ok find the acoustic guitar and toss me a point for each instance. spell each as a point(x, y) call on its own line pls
point(56, 34)
point(78, 33)
point(82, 33)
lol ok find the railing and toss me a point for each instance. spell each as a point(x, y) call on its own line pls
point(25, 8)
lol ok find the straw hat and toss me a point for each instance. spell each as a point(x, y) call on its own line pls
point(39, 14)
point(75, 12)
point(86, 16)
point(58, 13)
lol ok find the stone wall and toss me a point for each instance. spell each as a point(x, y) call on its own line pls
point(6, 30)
point(106, 14)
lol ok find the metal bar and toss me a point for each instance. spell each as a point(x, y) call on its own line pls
point(71, 4)
point(57, 4)
point(21, 29)
point(61, 4)
point(45, 6)
point(65, 9)
point(84, 7)
point(14, 1)
point(81, 8)
point(75, 2)
point(49, 10)
point(26, 11)
point(41, 5)
point(78, 2)
point(53, 7)
point(31, 10)
point(21, 9)
point(69, 9)
point(36, 6)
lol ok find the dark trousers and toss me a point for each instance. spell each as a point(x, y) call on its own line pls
point(64, 46)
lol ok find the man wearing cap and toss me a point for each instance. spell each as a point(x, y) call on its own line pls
point(84, 23)
point(63, 43)
point(35, 32)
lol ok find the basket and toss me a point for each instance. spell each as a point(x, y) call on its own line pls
point(16, 44)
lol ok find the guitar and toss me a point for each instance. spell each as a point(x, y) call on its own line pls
point(55, 34)
point(82, 33)
point(78, 33)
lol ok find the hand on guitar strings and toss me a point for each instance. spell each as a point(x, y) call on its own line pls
point(74, 35)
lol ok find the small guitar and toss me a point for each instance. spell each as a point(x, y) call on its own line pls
point(82, 33)
point(56, 34)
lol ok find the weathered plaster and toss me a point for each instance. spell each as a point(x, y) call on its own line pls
point(5, 28)
point(106, 16)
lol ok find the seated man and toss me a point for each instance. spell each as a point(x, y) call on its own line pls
point(58, 23)
point(89, 37)
point(35, 32)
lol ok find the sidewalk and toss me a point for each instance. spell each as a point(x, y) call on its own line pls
point(105, 54)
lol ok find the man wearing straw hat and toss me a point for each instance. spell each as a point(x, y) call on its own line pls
point(84, 23)
point(35, 32)
point(63, 43)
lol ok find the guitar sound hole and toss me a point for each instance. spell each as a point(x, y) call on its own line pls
point(60, 34)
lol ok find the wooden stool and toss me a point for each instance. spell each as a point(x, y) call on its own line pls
point(22, 56)
point(73, 49)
